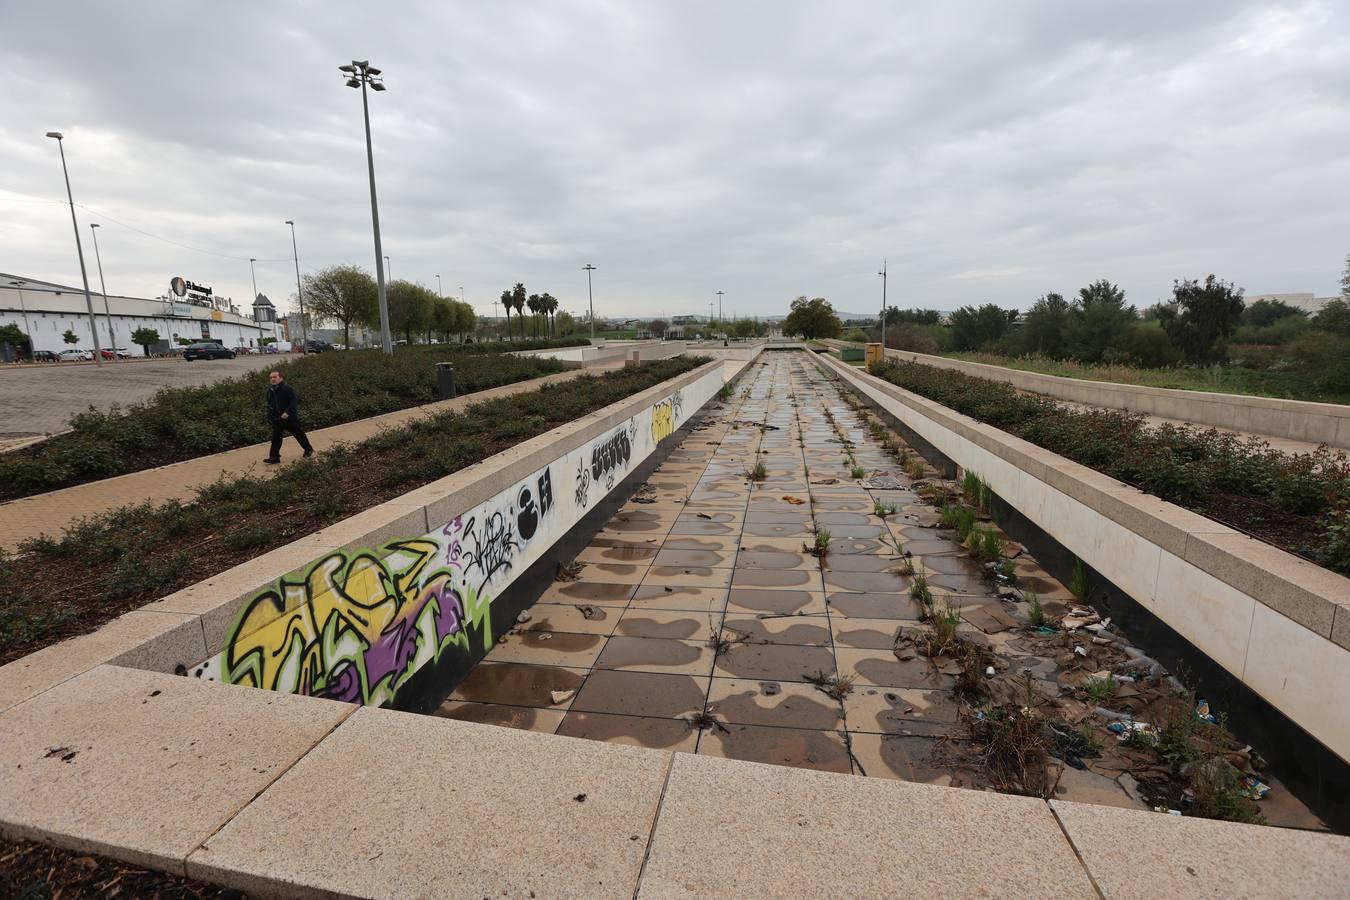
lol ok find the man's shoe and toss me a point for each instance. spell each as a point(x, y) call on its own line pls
point(308, 454)
point(271, 462)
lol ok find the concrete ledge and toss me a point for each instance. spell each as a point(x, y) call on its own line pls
point(1229, 595)
point(1299, 420)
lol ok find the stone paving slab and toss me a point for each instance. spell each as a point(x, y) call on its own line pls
point(1140, 853)
point(145, 766)
point(399, 805)
point(745, 830)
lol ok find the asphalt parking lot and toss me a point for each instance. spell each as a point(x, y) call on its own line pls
point(40, 399)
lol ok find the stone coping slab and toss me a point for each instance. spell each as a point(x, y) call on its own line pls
point(1138, 853)
point(739, 829)
point(400, 805)
point(145, 766)
point(1314, 597)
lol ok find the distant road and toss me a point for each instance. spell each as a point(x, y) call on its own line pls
point(40, 399)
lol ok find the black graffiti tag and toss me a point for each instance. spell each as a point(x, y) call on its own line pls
point(545, 483)
point(609, 455)
point(494, 543)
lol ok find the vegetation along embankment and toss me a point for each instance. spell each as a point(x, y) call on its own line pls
point(112, 563)
point(1297, 501)
point(183, 423)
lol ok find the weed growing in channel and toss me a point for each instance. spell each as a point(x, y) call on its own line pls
point(857, 472)
point(758, 473)
point(836, 686)
point(1101, 690)
point(920, 593)
point(1035, 612)
point(1078, 583)
point(882, 510)
point(976, 491)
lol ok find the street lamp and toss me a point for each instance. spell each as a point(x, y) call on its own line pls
point(299, 294)
point(361, 74)
point(721, 320)
point(882, 273)
point(88, 300)
point(389, 268)
point(588, 269)
point(18, 286)
point(254, 272)
point(112, 338)
point(439, 292)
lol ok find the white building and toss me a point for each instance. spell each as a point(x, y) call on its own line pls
point(45, 311)
point(1308, 302)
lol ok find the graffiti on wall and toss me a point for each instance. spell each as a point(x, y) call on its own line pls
point(357, 625)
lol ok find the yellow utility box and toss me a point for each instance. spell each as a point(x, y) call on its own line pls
point(874, 354)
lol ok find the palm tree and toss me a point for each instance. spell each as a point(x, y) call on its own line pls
point(535, 308)
point(550, 304)
point(506, 304)
point(518, 300)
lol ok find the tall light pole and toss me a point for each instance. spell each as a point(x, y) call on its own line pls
point(439, 292)
point(18, 286)
point(112, 338)
point(254, 273)
point(719, 311)
point(588, 269)
point(88, 300)
point(882, 273)
point(388, 267)
point(299, 293)
point(361, 74)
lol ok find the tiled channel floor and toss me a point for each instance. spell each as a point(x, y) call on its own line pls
point(705, 602)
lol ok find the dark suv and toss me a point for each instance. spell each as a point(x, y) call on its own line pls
point(206, 350)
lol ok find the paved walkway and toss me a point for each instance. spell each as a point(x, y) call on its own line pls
point(703, 607)
point(52, 512)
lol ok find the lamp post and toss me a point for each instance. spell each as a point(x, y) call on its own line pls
point(588, 269)
point(299, 293)
point(88, 300)
point(361, 74)
point(721, 321)
point(439, 292)
point(254, 273)
point(112, 338)
point(18, 286)
point(497, 319)
point(388, 267)
point(882, 273)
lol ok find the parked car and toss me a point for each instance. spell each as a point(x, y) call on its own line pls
point(115, 353)
point(317, 346)
point(74, 355)
point(206, 350)
point(44, 356)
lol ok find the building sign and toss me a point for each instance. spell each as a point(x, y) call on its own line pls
point(206, 329)
point(182, 309)
point(182, 287)
point(178, 286)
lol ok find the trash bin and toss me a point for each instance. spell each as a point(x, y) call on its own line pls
point(445, 380)
point(874, 354)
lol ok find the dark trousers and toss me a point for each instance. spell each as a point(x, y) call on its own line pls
point(293, 426)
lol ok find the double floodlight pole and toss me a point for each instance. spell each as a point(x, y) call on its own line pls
point(590, 295)
point(882, 273)
point(361, 74)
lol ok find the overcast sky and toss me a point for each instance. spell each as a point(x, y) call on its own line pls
point(990, 152)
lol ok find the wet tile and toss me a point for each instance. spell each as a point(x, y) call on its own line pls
point(803, 749)
point(833, 520)
point(576, 618)
point(881, 668)
point(905, 758)
point(765, 529)
point(682, 625)
point(784, 704)
point(720, 516)
point(615, 573)
point(548, 648)
point(866, 634)
point(800, 630)
point(662, 655)
point(641, 694)
point(630, 553)
point(874, 605)
point(849, 546)
point(777, 579)
point(883, 710)
point(864, 563)
point(764, 601)
point(688, 576)
point(779, 560)
point(518, 684)
point(715, 544)
point(866, 582)
point(694, 599)
point(592, 592)
point(703, 527)
point(526, 718)
point(696, 558)
point(635, 731)
point(776, 662)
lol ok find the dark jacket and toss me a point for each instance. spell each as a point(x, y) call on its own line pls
point(282, 398)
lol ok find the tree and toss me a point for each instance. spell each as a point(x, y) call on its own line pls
point(145, 337)
point(1334, 317)
point(343, 294)
point(1097, 321)
point(897, 316)
point(533, 303)
point(1264, 313)
point(409, 308)
point(70, 337)
point(1345, 278)
point(465, 319)
point(1201, 316)
point(566, 323)
point(13, 335)
point(812, 319)
point(444, 318)
point(657, 327)
point(518, 300)
point(1043, 325)
point(506, 304)
point(549, 303)
point(972, 328)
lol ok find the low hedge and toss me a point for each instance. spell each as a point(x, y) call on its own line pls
point(1297, 501)
point(108, 564)
point(183, 423)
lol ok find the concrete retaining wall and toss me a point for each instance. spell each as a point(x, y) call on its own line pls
point(1317, 423)
point(1277, 623)
point(646, 350)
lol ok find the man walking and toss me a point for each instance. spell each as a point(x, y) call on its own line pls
point(283, 411)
